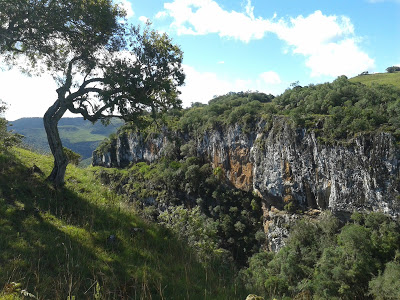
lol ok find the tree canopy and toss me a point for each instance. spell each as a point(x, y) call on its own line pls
point(393, 69)
point(103, 67)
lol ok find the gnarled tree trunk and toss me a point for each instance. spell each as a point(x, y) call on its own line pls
point(50, 120)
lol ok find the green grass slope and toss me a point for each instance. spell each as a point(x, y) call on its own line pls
point(81, 242)
point(379, 78)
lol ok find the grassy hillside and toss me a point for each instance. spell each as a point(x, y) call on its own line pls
point(81, 241)
point(379, 78)
point(77, 134)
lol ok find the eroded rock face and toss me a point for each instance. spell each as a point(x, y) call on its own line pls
point(289, 168)
point(130, 147)
point(285, 165)
point(292, 165)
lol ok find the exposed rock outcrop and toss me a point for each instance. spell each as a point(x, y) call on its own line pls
point(289, 168)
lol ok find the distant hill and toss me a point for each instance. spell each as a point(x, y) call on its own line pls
point(80, 135)
point(378, 78)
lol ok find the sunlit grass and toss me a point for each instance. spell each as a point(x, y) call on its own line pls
point(379, 78)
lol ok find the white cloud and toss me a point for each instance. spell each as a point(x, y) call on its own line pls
point(328, 43)
point(249, 9)
point(201, 87)
point(194, 91)
point(199, 17)
point(307, 34)
point(335, 59)
point(143, 19)
point(38, 93)
point(271, 77)
point(127, 6)
point(161, 15)
point(221, 62)
point(26, 96)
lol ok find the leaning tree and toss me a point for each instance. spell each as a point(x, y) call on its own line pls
point(103, 67)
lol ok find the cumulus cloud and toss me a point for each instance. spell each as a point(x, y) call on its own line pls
point(199, 17)
point(143, 19)
point(195, 81)
point(342, 58)
point(328, 43)
point(271, 77)
point(161, 15)
point(306, 34)
point(194, 91)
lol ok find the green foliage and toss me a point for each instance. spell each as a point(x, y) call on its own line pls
point(340, 109)
point(14, 291)
point(168, 184)
point(386, 286)
point(73, 158)
point(345, 270)
point(393, 69)
point(8, 139)
point(323, 262)
point(233, 108)
point(336, 111)
point(191, 225)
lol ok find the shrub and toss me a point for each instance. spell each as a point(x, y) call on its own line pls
point(8, 139)
point(386, 286)
point(73, 158)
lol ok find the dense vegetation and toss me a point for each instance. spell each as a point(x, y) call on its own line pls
point(360, 260)
point(335, 111)
point(341, 109)
point(190, 198)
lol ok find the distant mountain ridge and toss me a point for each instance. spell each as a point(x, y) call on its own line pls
point(77, 134)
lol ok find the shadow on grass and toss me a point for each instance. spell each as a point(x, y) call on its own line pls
point(63, 243)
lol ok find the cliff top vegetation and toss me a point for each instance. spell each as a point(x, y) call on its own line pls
point(336, 111)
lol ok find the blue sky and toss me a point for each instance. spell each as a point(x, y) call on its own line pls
point(240, 45)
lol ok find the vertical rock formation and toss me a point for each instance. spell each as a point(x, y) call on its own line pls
point(289, 168)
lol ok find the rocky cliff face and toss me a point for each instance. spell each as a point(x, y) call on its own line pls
point(289, 168)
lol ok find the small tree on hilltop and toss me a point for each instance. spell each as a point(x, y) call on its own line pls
point(103, 68)
point(393, 69)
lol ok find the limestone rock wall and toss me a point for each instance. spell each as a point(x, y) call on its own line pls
point(285, 165)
